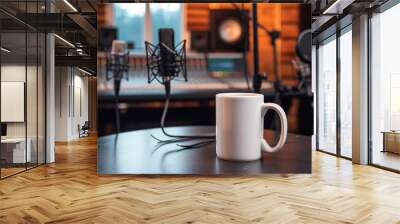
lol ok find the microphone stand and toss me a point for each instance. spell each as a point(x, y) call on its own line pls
point(118, 65)
point(274, 35)
point(257, 78)
point(117, 87)
point(245, 49)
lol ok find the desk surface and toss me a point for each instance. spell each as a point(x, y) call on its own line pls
point(13, 140)
point(135, 153)
point(391, 132)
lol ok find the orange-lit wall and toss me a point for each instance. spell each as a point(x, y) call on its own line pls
point(282, 17)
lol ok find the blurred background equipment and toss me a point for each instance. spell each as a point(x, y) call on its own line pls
point(3, 130)
point(213, 64)
point(200, 41)
point(302, 63)
point(303, 46)
point(106, 35)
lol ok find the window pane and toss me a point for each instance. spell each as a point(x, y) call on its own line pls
point(346, 94)
point(385, 84)
point(327, 97)
point(129, 19)
point(166, 15)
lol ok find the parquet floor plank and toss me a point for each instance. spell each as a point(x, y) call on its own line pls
point(70, 191)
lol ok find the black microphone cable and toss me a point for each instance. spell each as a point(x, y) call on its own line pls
point(164, 76)
point(164, 115)
point(117, 86)
point(201, 140)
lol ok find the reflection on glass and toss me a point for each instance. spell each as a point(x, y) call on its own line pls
point(346, 94)
point(327, 97)
point(385, 84)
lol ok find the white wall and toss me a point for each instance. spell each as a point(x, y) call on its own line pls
point(61, 103)
point(81, 113)
point(12, 101)
point(15, 72)
point(9, 73)
point(71, 94)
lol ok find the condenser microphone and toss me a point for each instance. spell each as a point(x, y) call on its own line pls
point(118, 63)
point(167, 53)
point(117, 67)
point(164, 60)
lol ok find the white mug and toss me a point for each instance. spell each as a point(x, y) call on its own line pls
point(240, 126)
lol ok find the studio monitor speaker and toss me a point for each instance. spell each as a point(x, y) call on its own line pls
point(229, 30)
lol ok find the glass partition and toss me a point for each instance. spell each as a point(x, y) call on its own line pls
point(346, 94)
point(22, 87)
point(327, 96)
point(13, 110)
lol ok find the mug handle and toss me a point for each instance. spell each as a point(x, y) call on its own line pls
point(282, 117)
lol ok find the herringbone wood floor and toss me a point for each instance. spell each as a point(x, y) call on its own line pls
point(70, 191)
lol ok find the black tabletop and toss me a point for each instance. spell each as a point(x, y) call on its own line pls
point(135, 152)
